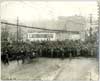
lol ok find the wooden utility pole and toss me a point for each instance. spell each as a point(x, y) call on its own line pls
point(90, 32)
point(17, 30)
point(91, 38)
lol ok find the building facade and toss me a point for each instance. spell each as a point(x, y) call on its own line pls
point(73, 24)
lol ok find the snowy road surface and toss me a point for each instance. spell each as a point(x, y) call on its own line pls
point(52, 69)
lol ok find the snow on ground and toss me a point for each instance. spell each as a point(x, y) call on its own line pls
point(52, 69)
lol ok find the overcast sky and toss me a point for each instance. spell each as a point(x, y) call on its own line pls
point(42, 10)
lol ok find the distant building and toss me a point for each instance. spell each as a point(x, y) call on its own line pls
point(73, 24)
point(71, 27)
point(41, 36)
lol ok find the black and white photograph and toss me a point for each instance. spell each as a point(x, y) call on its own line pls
point(50, 40)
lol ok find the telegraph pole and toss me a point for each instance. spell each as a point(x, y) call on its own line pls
point(90, 26)
point(91, 19)
point(17, 30)
point(90, 31)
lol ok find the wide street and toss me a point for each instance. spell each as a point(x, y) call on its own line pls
point(79, 68)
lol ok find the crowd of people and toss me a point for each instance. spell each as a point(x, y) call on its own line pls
point(52, 49)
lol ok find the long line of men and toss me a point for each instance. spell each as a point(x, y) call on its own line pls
point(44, 49)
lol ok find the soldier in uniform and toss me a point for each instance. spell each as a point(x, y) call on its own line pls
point(62, 53)
point(78, 51)
point(6, 58)
point(70, 53)
point(23, 55)
point(3, 57)
point(52, 51)
point(57, 52)
point(18, 55)
point(40, 51)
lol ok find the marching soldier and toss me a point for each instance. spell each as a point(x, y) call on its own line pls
point(6, 58)
point(17, 56)
point(23, 55)
point(62, 53)
point(70, 53)
point(52, 52)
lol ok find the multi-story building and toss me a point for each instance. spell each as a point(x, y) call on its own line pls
point(71, 27)
point(75, 25)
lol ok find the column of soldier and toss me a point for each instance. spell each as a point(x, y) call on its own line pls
point(51, 49)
